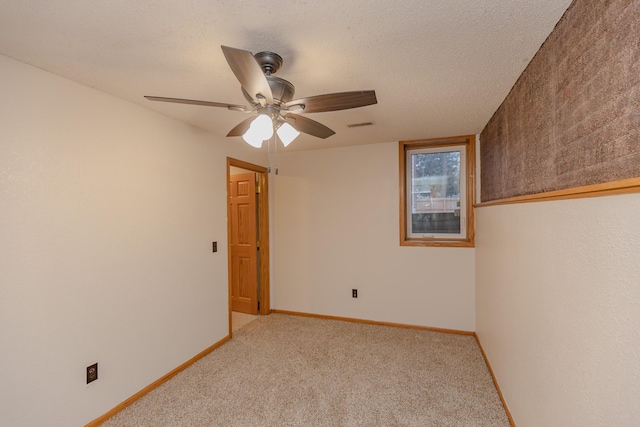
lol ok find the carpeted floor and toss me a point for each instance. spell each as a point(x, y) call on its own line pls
point(282, 370)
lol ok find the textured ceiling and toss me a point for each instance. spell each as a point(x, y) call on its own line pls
point(439, 67)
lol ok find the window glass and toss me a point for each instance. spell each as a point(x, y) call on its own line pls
point(435, 192)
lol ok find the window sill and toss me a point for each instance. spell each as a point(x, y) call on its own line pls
point(438, 243)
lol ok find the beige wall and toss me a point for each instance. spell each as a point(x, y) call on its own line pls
point(558, 309)
point(108, 210)
point(107, 213)
point(336, 228)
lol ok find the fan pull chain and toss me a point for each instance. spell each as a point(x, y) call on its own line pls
point(269, 154)
point(275, 144)
point(275, 157)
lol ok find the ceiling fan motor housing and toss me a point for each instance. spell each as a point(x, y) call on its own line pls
point(281, 89)
point(270, 62)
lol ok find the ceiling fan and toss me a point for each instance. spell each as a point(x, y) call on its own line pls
point(272, 98)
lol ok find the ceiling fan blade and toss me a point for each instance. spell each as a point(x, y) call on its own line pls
point(305, 125)
point(195, 102)
point(248, 73)
point(241, 127)
point(335, 101)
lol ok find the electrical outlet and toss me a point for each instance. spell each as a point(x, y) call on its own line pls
point(92, 373)
point(354, 293)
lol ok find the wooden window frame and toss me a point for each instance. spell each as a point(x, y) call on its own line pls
point(469, 142)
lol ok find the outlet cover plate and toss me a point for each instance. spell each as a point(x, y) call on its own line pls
point(92, 373)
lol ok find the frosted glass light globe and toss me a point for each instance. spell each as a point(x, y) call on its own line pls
point(252, 137)
point(263, 126)
point(287, 133)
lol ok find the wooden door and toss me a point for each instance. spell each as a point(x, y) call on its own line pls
point(243, 243)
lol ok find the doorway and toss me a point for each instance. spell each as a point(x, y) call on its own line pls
point(247, 239)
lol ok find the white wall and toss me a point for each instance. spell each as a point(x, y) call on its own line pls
point(337, 228)
point(107, 213)
point(558, 309)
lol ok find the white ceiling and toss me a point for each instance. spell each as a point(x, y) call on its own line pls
point(439, 67)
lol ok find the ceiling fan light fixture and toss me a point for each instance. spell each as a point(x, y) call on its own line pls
point(263, 126)
point(260, 130)
point(252, 138)
point(287, 133)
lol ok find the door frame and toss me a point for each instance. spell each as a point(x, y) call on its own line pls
point(263, 234)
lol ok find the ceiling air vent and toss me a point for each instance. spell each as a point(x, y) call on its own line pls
point(357, 125)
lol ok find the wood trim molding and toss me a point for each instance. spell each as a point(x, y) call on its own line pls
point(98, 421)
point(375, 322)
point(263, 219)
point(246, 165)
point(625, 186)
point(470, 142)
point(495, 382)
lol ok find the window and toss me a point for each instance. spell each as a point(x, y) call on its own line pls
point(437, 192)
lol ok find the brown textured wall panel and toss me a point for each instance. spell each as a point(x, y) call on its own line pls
point(573, 117)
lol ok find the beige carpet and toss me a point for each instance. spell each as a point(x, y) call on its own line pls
point(282, 370)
